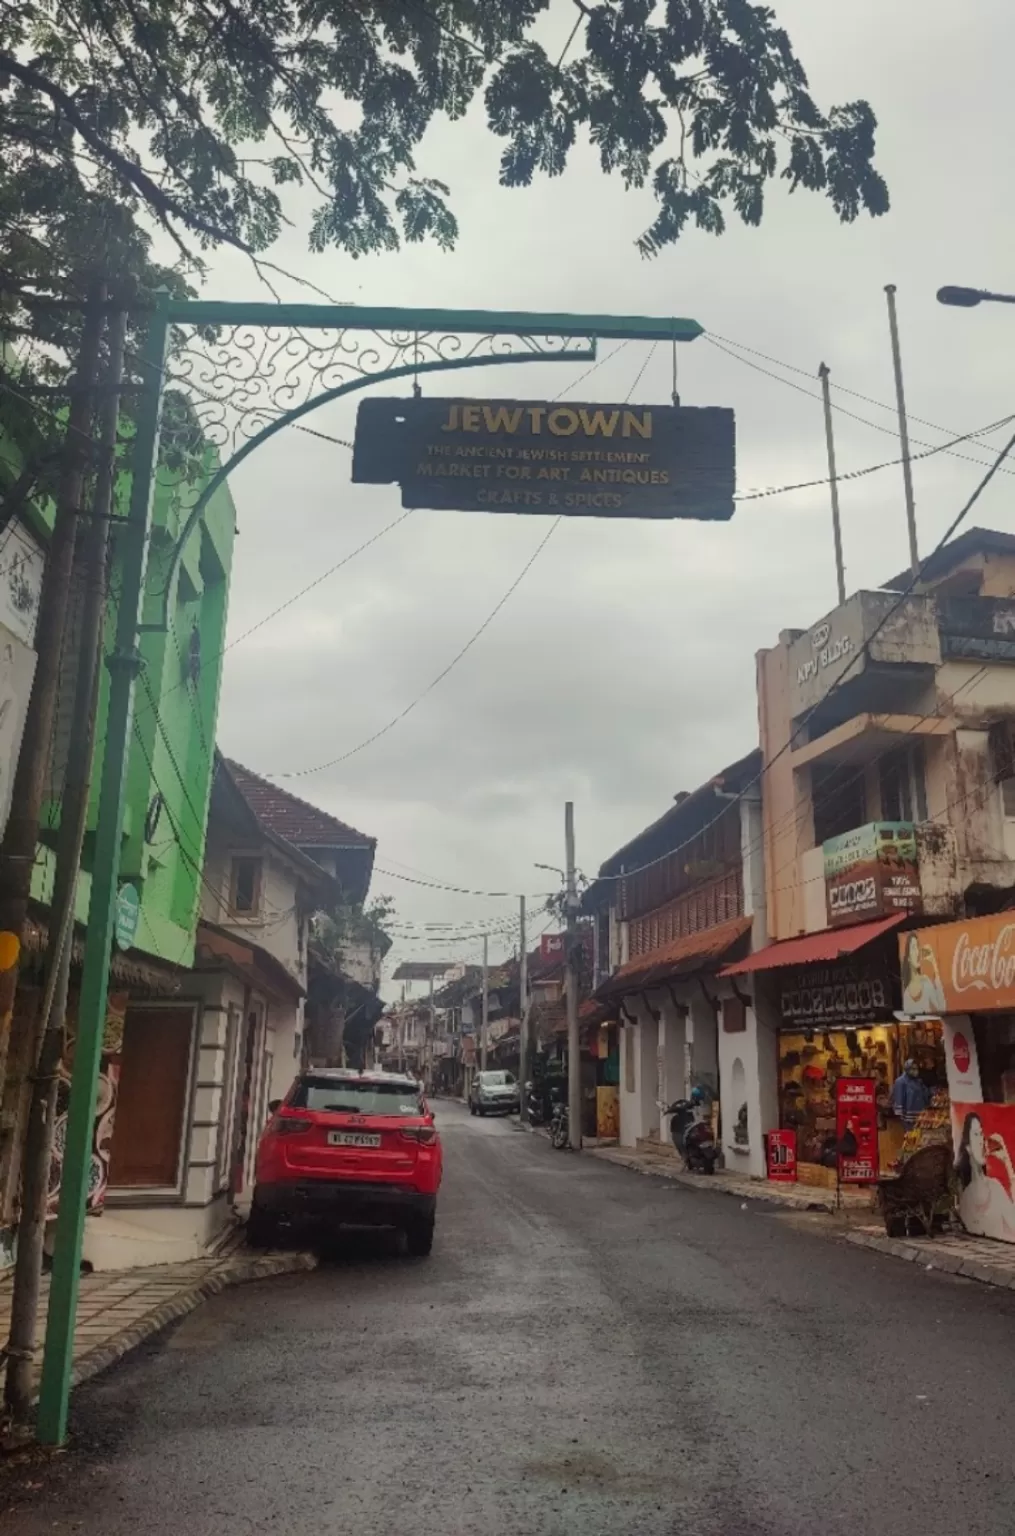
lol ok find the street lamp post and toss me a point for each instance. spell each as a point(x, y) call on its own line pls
point(968, 298)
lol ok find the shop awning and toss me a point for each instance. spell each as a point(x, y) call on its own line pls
point(816, 948)
point(680, 957)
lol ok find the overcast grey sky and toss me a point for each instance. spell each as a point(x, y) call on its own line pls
point(622, 669)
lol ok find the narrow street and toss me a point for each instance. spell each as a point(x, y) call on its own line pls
point(587, 1351)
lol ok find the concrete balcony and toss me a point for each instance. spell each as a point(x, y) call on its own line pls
point(866, 737)
point(873, 632)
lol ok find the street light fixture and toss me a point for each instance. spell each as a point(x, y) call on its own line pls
point(968, 298)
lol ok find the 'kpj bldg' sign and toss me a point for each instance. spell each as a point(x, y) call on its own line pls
point(546, 457)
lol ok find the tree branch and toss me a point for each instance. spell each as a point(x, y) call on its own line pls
point(163, 204)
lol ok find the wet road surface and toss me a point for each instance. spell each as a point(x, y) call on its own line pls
point(587, 1351)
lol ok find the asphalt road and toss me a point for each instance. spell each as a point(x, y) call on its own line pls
point(587, 1351)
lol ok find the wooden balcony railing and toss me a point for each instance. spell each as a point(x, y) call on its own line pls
point(704, 907)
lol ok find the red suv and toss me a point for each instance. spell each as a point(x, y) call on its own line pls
point(349, 1148)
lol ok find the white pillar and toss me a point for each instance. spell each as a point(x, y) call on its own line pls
point(671, 1054)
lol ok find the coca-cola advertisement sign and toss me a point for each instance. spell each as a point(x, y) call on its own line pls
point(856, 1130)
point(965, 967)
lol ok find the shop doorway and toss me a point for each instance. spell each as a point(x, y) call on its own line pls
point(149, 1132)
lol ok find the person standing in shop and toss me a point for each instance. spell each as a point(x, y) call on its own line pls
point(910, 1094)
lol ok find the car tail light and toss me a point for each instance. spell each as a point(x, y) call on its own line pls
point(422, 1133)
point(288, 1125)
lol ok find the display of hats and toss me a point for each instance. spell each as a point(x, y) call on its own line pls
point(814, 1074)
point(792, 1090)
point(809, 1052)
point(791, 1059)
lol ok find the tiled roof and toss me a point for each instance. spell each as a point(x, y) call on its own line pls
point(299, 822)
point(680, 957)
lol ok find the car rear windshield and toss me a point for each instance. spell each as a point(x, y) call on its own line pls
point(356, 1098)
point(496, 1079)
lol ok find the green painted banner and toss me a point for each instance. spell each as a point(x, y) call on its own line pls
point(548, 457)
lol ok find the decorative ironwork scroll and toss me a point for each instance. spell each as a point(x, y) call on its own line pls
point(240, 379)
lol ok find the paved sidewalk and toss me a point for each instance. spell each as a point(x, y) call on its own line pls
point(118, 1309)
point(976, 1258)
point(797, 1197)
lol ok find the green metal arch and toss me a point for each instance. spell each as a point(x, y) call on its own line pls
point(406, 370)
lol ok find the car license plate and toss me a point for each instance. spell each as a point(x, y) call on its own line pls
point(353, 1139)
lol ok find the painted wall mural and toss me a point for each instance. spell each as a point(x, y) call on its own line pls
point(105, 1103)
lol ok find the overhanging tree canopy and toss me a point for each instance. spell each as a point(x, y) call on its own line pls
point(203, 113)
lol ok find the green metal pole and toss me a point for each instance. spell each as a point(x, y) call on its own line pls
point(124, 665)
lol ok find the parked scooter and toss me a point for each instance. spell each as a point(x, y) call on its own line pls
point(541, 1093)
point(535, 1104)
point(691, 1130)
point(560, 1126)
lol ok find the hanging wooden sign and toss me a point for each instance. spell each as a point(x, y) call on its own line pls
point(659, 461)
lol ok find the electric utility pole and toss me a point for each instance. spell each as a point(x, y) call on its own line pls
point(900, 396)
point(574, 1064)
point(833, 483)
point(90, 575)
point(486, 1005)
point(18, 848)
point(523, 1016)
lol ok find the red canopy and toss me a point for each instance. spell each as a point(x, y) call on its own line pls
point(815, 948)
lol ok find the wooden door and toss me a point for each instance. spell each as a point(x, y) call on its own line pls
point(151, 1107)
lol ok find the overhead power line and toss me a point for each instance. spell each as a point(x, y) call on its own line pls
point(876, 426)
point(300, 773)
point(858, 655)
point(437, 885)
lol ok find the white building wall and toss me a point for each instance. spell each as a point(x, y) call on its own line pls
point(638, 1076)
point(748, 1075)
point(671, 1050)
point(275, 927)
point(283, 1037)
point(362, 961)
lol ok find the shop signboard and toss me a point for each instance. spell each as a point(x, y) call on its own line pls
point(856, 1130)
point(980, 627)
point(781, 1156)
point(964, 967)
point(871, 871)
point(550, 457)
point(961, 1059)
point(857, 990)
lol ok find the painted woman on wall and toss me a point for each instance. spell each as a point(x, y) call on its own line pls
point(986, 1206)
point(921, 985)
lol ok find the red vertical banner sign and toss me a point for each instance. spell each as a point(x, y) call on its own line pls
point(856, 1130)
point(781, 1148)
